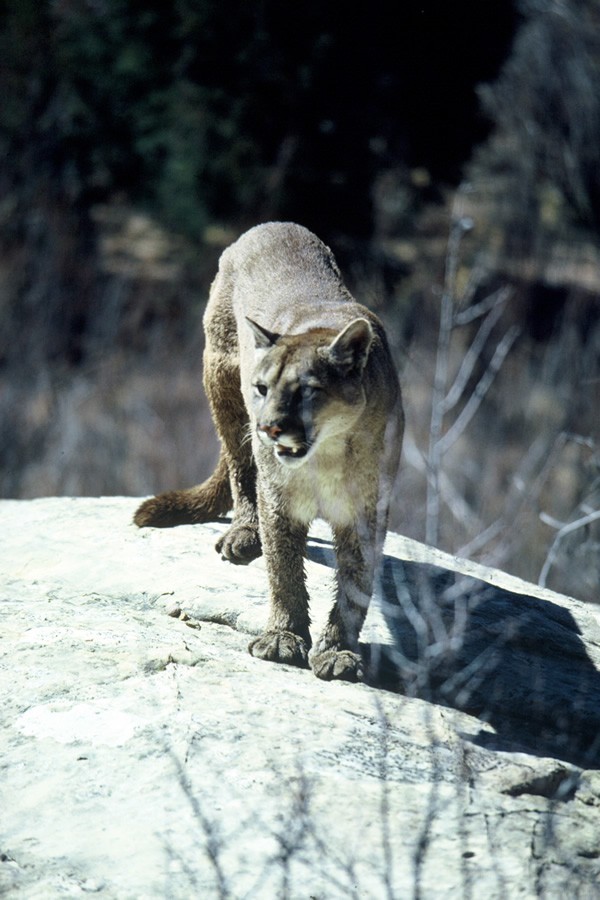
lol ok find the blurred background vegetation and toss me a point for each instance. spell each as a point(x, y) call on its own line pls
point(448, 152)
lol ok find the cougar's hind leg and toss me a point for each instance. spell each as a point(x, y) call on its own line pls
point(241, 542)
point(203, 503)
point(233, 483)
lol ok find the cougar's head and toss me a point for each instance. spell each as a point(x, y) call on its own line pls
point(308, 388)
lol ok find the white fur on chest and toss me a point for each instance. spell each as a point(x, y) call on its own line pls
point(324, 488)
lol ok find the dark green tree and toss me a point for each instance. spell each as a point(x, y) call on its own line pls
point(545, 105)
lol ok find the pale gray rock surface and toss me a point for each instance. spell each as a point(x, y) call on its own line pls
point(148, 756)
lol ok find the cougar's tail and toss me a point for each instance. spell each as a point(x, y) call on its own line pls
point(203, 503)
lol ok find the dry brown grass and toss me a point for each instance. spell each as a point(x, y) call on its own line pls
point(131, 417)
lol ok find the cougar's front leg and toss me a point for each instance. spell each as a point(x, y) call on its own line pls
point(336, 652)
point(287, 636)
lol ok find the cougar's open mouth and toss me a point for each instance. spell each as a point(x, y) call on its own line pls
point(288, 454)
point(292, 452)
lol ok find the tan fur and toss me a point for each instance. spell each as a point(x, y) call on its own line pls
point(306, 402)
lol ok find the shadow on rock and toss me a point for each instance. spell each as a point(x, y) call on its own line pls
point(517, 662)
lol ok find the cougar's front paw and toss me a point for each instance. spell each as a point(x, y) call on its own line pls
point(281, 646)
point(343, 665)
point(240, 544)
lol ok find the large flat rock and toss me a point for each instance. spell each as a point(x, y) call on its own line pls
point(147, 756)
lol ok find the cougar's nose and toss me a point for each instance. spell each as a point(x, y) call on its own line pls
point(273, 431)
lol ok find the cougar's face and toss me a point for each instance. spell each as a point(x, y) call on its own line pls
point(302, 396)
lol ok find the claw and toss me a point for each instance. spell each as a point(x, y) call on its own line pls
point(342, 665)
point(281, 646)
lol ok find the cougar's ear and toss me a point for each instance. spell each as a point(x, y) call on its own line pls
point(263, 339)
point(350, 348)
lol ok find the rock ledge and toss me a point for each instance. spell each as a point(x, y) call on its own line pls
point(149, 755)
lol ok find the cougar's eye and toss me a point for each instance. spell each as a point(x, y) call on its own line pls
point(311, 391)
point(260, 388)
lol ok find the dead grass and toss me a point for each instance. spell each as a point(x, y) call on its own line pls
point(123, 426)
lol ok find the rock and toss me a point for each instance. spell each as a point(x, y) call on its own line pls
point(142, 757)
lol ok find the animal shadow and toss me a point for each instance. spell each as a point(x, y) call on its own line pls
point(516, 662)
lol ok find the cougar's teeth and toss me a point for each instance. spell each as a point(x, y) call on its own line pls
point(283, 450)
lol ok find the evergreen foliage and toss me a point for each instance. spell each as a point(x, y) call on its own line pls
point(231, 110)
point(544, 157)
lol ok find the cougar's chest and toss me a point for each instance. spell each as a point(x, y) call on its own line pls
point(326, 488)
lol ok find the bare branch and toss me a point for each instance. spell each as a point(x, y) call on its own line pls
point(458, 506)
point(476, 278)
point(483, 538)
point(471, 356)
point(437, 417)
point(474, 402)
point(540, 457)
point(563, 532)
point(477, 310)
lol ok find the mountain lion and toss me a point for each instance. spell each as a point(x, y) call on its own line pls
point(306, 402)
